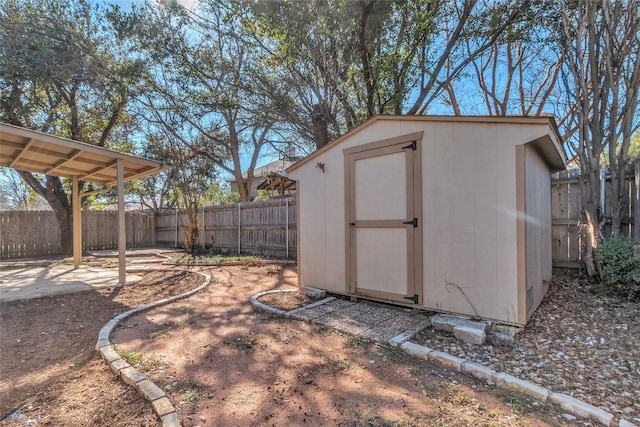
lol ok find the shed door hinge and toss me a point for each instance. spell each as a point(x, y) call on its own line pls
point(413, 222)
point(413, 146)
point(413, 298)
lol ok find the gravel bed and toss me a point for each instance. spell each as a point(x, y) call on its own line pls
point(579, 342)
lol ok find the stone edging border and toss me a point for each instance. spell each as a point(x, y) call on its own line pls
point(500, 379)
point(130, 375)
point(236, 263)
point(291, 313)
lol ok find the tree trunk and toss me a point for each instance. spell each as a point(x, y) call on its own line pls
point(65, 223)
point(618, 196)
point(593, 236)
point(367, 8)
point(320, 128)
point(590, 189)
point(54, 194)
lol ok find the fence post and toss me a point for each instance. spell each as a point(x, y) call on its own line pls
point(203, 228)
point(239, 228)
point(286, 228)
point(154, 235)
point(176, 239)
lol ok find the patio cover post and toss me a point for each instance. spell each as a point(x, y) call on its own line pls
point(122, 235)
point(76, 212)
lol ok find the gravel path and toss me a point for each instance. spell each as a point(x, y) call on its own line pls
point(579, 343)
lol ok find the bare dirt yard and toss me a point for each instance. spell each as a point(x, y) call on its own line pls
point(50, 373)
point(224, 363)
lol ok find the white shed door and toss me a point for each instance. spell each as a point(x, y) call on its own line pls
point(383, 240)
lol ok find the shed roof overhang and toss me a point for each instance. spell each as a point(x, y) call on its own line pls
point(32, 151)
point(549, 145)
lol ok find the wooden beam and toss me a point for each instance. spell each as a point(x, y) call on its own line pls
point(122, 235)
point(144, 172)
point(521, 235)
point(56, 142)
point(64, 161)
point(96, 171)
point(22, 152)
point(77, 223)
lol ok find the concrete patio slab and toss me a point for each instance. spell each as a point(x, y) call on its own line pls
point(36, 281)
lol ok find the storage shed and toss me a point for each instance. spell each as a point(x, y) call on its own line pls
point(451, 214)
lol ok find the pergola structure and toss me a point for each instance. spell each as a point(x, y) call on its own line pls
point(279, 183)
point(32, 151)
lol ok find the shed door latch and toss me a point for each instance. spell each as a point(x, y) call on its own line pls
point(413, 298)
point(413, 146)
point(413, 222)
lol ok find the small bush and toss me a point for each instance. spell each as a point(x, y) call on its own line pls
point(620, 260)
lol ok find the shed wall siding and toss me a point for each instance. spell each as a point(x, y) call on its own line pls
point(468, 214)
point(538, 228)
point(469, 199)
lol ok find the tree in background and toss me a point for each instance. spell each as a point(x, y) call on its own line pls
point(190, 177)
point(207, 88)
point(516, 75)
point(347, 61)
point(16, 193)
point(62, 73)
point(601, 77)
point(155, 191)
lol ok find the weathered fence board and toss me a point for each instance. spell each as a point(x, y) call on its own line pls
point(258, 228)
point(36, 233)
point(28, 234)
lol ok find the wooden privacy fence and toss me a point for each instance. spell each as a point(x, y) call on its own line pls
point(28, 234)
point(258, 228)
point(36, 233)
point(269, 228)
point(568, 235)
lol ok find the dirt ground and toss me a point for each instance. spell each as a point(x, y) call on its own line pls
point(50, 373)
point(224, 363)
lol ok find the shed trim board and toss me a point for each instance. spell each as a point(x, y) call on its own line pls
point(479, 185)
point(32, 151)
point(522, 234)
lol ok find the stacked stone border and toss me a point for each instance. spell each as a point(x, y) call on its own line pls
point(500, 379)
point(257, 262)
point(130, 375)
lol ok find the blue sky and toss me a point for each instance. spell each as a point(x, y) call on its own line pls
point(126, 4)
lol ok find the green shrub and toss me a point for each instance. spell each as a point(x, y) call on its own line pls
point(619, 257)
